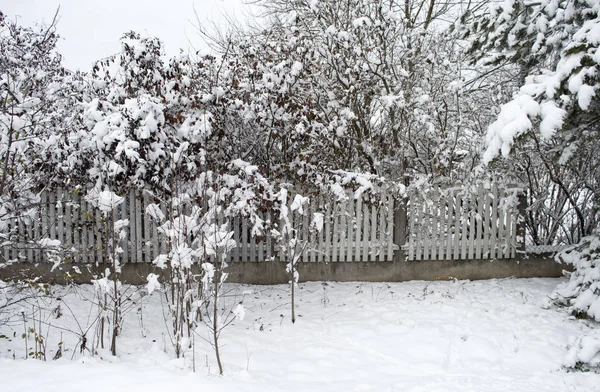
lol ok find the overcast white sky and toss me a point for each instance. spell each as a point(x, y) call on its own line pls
point(90, 29)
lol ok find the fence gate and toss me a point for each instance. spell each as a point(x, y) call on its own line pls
point(463, 224)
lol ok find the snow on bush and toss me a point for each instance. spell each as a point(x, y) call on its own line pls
point(581, 295)
point(153, 283)
point(106, 200)
point(584, 353)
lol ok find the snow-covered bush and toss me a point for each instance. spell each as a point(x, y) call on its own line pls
point(108, 287)
point(197, 227)
point(34, 105)
point(288, 237)
point(581, 293)
point(584, 353)
point(335, 86)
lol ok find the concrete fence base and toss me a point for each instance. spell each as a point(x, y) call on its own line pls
point(274, 272)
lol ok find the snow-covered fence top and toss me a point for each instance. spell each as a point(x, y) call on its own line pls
point(353, 230)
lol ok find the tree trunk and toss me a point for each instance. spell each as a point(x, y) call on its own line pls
point(215, 326)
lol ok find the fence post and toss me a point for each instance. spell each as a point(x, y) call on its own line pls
point(400, 229)
point(522, 209)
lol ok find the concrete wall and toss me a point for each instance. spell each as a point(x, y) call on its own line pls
point(274, 272)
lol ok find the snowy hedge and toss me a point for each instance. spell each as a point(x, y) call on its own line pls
point(581, 295)
point(584, 353)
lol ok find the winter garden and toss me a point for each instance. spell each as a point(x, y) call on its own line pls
point(323, 115)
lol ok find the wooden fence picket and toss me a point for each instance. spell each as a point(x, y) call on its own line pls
point(514, 234)
point(433, 230)
point(260, 246)
point(494, 221)
point(479, 230)
point(350, 217)
point(73, 226)
point(506, 232)
point(304, 222)
point(456, 200)
point(365, 232)
point(449, 225)
point(471, 233)
point(442, 219)
point(139, 229)
point(425, 229)
point(252, 245)
point(464, 217)
point(147, 228)
point(269, 244)
point(389, 234)
point(244, 243)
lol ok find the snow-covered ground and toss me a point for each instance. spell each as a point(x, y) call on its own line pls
point(495, 335)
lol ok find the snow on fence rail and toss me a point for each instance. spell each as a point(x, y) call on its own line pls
point(354, 230)
point(464, 224)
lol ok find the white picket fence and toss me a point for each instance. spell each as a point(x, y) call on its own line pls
point(449, 224)
point(354, 230)
point(463, 224)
